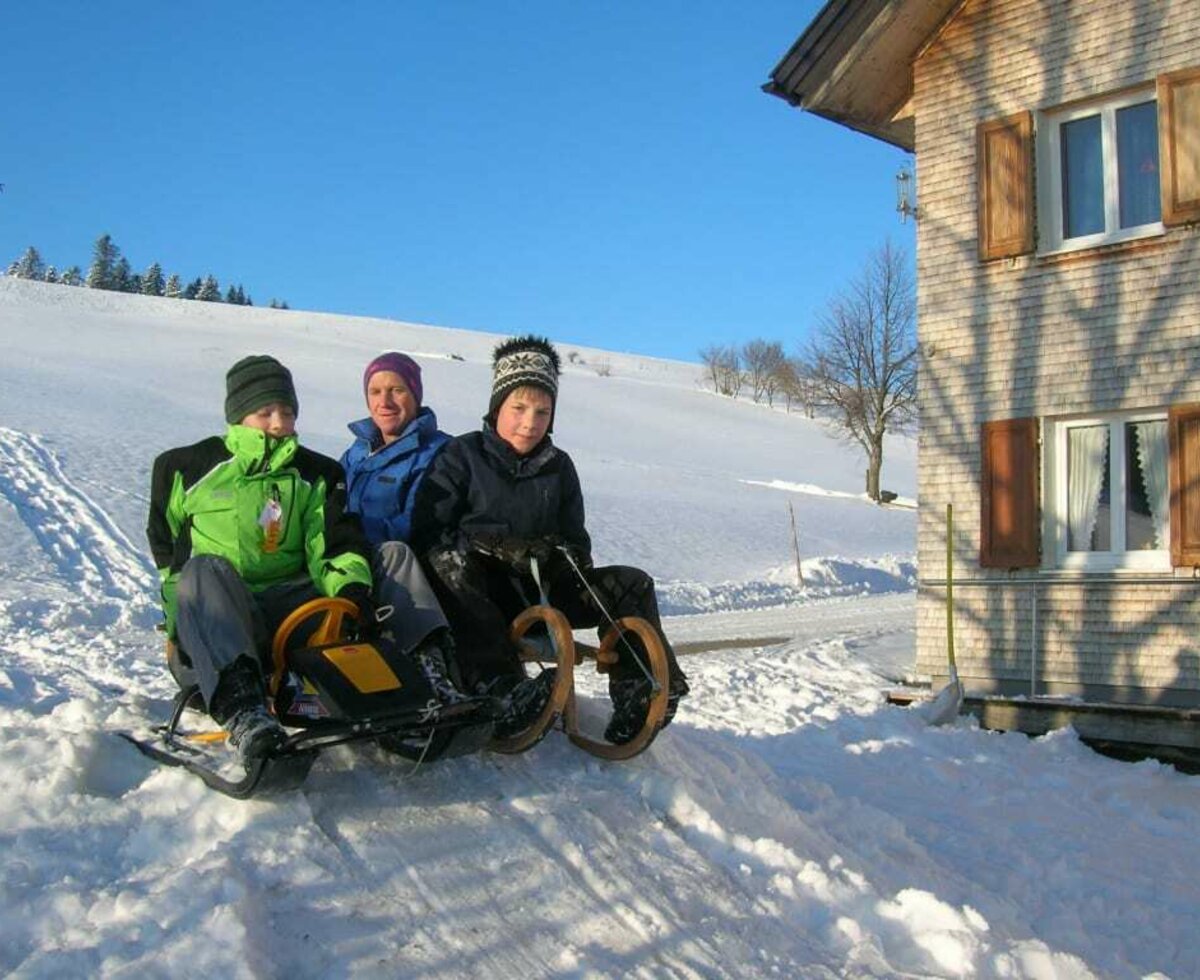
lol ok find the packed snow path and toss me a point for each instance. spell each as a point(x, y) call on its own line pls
point(86, 547)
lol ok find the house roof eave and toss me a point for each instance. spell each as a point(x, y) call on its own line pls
point(898, 132)
point(853, 64)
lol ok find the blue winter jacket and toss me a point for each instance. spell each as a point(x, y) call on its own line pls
point(381, 481)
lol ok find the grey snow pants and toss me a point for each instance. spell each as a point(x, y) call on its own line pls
point(219, 618)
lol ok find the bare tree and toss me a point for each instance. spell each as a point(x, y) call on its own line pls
point(762, 359)
point(791, 380)
point(732, 376)
point(862, 357)
point(723, 369)
point(710, 357)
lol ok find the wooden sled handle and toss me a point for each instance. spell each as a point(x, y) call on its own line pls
point(333, 613)
point(606, 655)
point(563, 692)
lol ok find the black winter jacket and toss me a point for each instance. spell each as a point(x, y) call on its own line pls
point(478, 487)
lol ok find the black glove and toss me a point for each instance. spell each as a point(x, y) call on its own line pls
point(503, 548)
point(360, 595)
point(543, 549)
point(514, 551)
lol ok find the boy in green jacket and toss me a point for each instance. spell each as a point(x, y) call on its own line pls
point(245, 528)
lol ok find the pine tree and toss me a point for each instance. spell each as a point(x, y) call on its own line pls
point(122, 276)
point(249, 301)
point(12, 268)
point(174, 288)
point(104, 259)
point(51, 274)
point(30, 265)
point(152, 281)
point(210, 291)
point(231, 296)
point(135, 283)
point(72, 277)
point(192, 290)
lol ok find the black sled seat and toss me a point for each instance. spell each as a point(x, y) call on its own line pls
point(558, 647)
point(345, 691)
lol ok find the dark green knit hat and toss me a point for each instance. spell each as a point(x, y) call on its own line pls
point(256, 381)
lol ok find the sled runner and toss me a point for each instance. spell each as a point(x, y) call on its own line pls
point(543, 636)
point(332, 690)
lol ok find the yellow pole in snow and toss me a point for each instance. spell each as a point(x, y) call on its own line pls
point(950, 590)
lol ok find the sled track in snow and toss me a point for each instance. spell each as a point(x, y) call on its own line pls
point(81, 540)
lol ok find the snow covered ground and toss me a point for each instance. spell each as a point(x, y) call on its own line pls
point(790, 824)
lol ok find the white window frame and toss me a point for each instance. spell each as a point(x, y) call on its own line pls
point(1049, 155)
point(1055, 554)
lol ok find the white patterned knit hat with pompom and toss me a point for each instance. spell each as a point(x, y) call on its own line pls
point(520, 362)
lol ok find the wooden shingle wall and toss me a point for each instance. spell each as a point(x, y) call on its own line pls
point(1103, 330)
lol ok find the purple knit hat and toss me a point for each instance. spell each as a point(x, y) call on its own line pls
point(403, 365)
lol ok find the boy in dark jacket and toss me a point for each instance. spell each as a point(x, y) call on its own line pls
point(496, 498)
point(245, 528)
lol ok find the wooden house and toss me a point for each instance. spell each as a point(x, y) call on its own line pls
point(1057, 145)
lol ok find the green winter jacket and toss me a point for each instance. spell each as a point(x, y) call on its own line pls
point(274, 509)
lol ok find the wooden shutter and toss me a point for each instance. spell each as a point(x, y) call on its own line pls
point(1179, 145)
point(1183, 434)
point(1004, 158)
point(1009, 529)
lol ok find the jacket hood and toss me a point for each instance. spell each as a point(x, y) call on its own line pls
point(254, 450)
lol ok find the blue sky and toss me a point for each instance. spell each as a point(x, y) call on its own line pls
point(606, 173)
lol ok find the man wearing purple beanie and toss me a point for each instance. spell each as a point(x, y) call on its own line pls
point(393, 446)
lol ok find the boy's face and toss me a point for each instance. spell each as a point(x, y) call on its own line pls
point(523, 418)
point(276, 419)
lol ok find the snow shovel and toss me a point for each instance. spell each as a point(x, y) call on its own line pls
point(944, 708)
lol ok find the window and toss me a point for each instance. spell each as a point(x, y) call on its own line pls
point(1098, 171)
point(1099, 176)
point(1107, 493)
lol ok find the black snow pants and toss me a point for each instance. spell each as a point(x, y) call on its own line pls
point(481, 596)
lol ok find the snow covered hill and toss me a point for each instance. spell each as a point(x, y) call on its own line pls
point(789, 824)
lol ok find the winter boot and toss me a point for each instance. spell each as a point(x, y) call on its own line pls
point(435, 655)
point(631, 698)
point(521, 705)
point(254, 733)
point(631, 704)
point(238, 705)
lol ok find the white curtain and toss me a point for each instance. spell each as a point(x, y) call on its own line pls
point(1152, 457)
point(1085, 478)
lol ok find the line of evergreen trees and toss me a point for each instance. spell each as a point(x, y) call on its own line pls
point(111, 270)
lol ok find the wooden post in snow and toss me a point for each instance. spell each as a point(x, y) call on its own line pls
point(796, 545)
